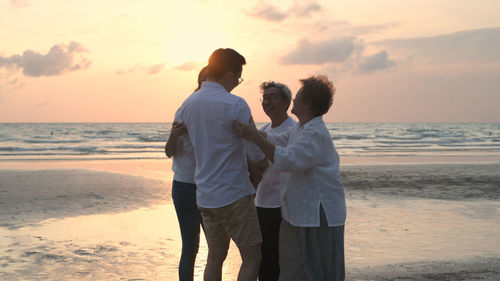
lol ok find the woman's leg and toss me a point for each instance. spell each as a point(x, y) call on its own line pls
point(184, 196)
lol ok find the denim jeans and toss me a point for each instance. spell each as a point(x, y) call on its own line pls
point(184, 196)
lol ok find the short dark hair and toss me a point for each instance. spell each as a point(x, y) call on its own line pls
point(318, 92)
point(223, 61)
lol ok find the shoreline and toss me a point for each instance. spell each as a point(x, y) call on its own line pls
point(345, 159)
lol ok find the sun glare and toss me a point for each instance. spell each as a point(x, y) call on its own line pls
point(194, 38)
point(192, 45)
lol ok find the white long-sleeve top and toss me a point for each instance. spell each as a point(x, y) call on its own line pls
point(271, 188)
point(183, 163)
point(314, 177)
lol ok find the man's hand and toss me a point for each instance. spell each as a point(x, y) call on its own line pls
point(178, 128)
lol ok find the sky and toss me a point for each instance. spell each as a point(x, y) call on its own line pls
point(136, 61)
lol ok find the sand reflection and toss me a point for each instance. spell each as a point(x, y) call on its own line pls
point(141, 245)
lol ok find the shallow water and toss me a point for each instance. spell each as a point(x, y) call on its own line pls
point(385, 230)
point(139, 245)
point(145, 244)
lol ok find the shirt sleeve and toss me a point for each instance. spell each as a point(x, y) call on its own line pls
point(301, 153)
point(245, 116)
point(282, 137)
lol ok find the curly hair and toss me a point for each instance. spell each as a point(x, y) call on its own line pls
point(318, 92)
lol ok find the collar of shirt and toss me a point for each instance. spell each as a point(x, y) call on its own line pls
point(211, 84)
point(314, 121)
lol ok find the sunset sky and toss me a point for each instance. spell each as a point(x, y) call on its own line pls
point(136, 61)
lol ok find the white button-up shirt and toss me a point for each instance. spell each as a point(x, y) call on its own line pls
point(314, 178)
point(271, 189)
point(221, 173)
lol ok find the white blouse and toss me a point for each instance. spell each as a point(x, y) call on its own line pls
point(314, 176)
point(271, 189)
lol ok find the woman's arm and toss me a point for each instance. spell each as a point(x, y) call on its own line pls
point(171, 145)
point(251, 133)
point(300, 155)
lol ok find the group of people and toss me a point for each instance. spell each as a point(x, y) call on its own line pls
point(276, 192)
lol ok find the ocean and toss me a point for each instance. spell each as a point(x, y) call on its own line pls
point(98, 141)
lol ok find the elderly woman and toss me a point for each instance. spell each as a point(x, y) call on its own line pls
point(313, 206)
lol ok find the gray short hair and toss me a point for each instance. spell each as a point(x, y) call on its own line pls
point(285, 91)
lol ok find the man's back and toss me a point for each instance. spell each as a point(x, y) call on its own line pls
point(221, 168)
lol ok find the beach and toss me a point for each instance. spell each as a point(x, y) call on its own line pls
point(114, 220)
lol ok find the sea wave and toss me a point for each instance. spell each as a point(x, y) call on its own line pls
point(134, 140)
point(53, 141)
point(155, 138)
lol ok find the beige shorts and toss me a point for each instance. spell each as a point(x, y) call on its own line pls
point(237, 221)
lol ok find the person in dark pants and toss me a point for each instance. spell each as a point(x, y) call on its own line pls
point(276, 98)
point(313, 205)
point(184, 192)
point(224, 189)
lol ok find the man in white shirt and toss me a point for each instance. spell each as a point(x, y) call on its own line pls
point(224, 190)
point(276, 98)
point(313, 207)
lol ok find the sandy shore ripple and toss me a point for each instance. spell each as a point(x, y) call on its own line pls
point(478, 268)
point(434, 181)
point(30, 196)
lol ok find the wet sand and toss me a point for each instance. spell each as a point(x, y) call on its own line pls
point(114, 220)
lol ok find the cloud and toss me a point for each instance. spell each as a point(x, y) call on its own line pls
point(375, 62)
point(11, 62)
point(149, 70)
point(332, 50)
point(188, 66)
point(126, 71)
point(306, 10)
point(470, 45)
point(357, 30)
point(268, 12)
point(12, 82)
point(20, 3)
point(154, 69)
point(342, 28)
point(59, 60)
